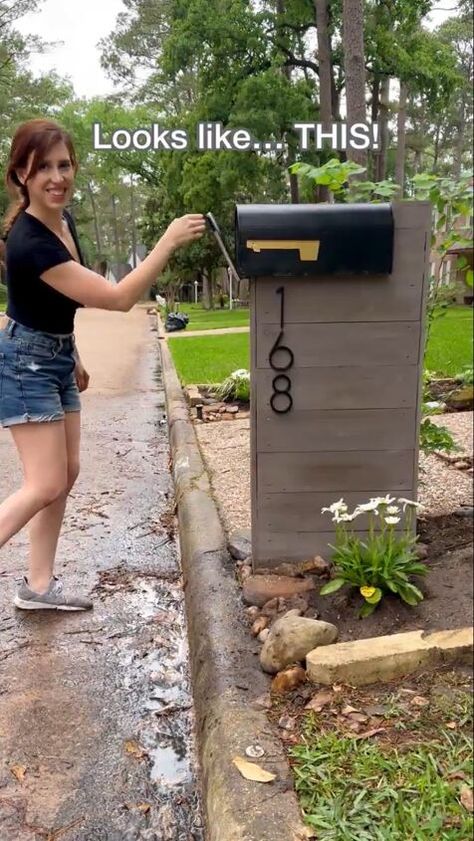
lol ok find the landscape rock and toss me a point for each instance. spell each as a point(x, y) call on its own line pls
point(296, 603)
point(291, 638)
point(252, 613)
point(244, 572)
point(421, 550)
point(462, 465)
point(259, 625)
point(318, 566)
point(263, 635)
point(192, 395)
point(289, 679)
point(465, 511)
point(259, 589)
point(270, 608)
point(240, 544)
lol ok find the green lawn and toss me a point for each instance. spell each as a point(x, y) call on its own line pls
point(204, 359)
point(408, 775)
point(211, 359)
point(450, 347)
point(201, 319)
point(3, 296)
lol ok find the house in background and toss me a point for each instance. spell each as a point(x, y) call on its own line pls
point(140, 253)
point(115, 272)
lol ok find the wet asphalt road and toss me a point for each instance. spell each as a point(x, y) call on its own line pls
point(95, 708)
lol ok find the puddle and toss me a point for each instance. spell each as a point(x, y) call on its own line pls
point(169, 767)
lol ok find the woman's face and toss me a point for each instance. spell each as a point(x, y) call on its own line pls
point(51, 186)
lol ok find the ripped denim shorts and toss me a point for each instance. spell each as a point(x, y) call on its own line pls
point(37, 380)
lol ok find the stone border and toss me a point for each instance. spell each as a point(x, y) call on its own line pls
point(366, 661)
point(226, 674)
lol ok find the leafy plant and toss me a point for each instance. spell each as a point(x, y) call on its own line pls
point(466, 376)
point(382, 563)
point(235, 387)
point(434, 438)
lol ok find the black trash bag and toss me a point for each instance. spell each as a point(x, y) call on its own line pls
point(176, 321)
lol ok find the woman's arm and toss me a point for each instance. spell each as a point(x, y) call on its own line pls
point(92, 290)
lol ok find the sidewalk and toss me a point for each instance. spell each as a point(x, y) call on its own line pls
point(95, 709)
point(217, 331)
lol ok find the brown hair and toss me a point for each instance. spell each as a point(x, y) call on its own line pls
point(37, 136)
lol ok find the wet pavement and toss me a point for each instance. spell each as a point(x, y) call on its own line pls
point(95, 709)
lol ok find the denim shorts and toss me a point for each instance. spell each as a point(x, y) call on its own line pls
point(37, 381)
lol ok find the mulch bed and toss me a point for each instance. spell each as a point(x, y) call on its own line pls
point(448, 589)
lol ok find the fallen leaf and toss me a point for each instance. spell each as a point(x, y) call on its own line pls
point(359, 717)
point(419, 701)
point(320, 700)
point(467, 798)
point(134, 749)
point(144, 808)
point(375, 709)
point(457, 775)
point(347, 710)
point(369, 733)
point(251, 771)
point(451, 725)
point(263, 702)
point(287, 722)
point(18, 772)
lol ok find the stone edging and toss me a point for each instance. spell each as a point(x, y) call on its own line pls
point(226, 676)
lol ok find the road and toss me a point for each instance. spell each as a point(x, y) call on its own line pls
point(95, 708)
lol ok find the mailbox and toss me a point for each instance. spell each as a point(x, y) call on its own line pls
point(337, 311)
point(306, 240)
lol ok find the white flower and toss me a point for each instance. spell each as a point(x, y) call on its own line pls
point(406, 502)
point(335, 508)
point(393, 509)
point(383, 500)
point(342, 518)
point(392, 520)
point(367, 506)
point(241, 373)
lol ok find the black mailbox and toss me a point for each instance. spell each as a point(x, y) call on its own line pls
point(298, 240)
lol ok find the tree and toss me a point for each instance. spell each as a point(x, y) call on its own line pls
point(354, 65)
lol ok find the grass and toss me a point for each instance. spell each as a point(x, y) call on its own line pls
point(201, 319)
point(450, 346)
point(209, 359)
point(406, 778)
point(3, 296)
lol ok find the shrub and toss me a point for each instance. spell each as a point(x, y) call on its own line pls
point(235, 387)
point(382, 563)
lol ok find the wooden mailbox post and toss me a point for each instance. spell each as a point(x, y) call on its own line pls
point(337, 302)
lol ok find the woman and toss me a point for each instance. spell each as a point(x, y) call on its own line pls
point(41, 374)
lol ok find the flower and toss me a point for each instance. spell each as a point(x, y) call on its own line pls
point(410, 502)
point(383, 500)
point(336, 507)
point(367, 592)
point(342, 517)
point(241, 373)
point(367, 506)
point(392, 520)
point(393, 509)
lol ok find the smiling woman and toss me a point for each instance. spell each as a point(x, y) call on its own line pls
point(41, 374)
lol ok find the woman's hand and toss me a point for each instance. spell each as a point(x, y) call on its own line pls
point(82, 377)
point(185, 229)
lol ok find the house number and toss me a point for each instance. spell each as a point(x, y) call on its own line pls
point(281, 358)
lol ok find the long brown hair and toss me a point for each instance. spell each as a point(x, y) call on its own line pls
point(37, 136)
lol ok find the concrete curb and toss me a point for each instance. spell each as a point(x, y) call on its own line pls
point(225, 671)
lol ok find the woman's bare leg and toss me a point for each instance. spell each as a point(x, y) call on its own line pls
point(44, 528)
point(42, 449)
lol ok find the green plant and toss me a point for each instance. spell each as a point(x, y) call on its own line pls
point(434, 438)
point(385, 560)
point(235, 387)
point(466, 376)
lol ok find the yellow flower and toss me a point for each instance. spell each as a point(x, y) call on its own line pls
point(367, 592)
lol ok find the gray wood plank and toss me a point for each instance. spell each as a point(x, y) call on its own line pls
point(273, 548)
point(412, 214)
point(368, 387)
point(323, 345)
point(301, 512)
point(334, 472)
point(336, 298)
point(369, 429)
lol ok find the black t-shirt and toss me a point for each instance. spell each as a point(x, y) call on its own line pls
point(31, 249)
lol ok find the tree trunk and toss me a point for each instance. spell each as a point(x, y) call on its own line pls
point(98, 243)
point(401, 139)
point(459, 142)
point(116, 236)
point(383, 129)
point(354, 67)
point(290, 157)
point(133, 224)
point(325, 74)
point(207, 289)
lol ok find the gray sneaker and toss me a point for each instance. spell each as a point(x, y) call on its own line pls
point(52, 599)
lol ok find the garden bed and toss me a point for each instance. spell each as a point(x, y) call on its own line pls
point(391, 761)
point(448, 589)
